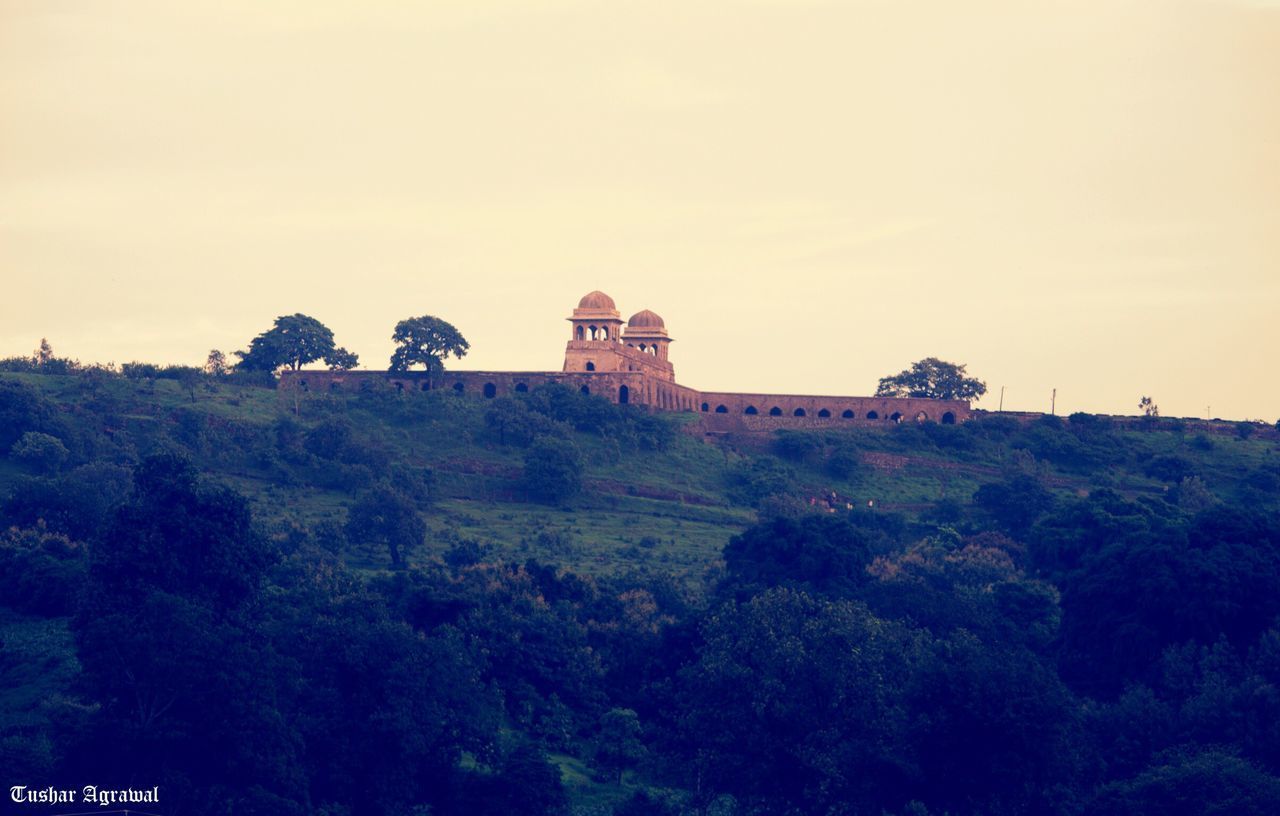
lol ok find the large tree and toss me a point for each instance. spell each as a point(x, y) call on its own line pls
point(427, 341)
point(292, 342)
point(932, 378)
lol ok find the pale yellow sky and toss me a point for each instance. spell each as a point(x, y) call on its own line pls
point(1080, 194)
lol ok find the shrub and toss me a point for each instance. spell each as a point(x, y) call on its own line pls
point(41, 451)
point(552, 470)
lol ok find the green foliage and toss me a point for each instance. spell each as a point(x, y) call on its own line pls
point(44, 453)
point(617, 746)
point(40, 572)
point(292, 342)
point(385, 517)
point(932, 378)
point(552, 470)
point(753, 481)
point(427, 341)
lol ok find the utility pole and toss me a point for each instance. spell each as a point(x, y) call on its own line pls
point(1001, 398)
point(1053, 403)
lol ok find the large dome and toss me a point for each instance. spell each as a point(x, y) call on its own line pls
point(597, 300)
point(646, 319)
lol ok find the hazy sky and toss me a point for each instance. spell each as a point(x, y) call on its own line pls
point(1080, 194)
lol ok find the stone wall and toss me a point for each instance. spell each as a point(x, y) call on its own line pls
point(765, 408)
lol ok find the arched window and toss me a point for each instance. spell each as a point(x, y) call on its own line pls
point(872, 415)
point(604, 332)
point(847, 414)
point(824, 413)
point(948, 418)
point(775, 411)
point(798, 412)
point(720, 409)
point(522, 388)
point(751, 410)
point(586, 392)
point(922, 417)
point(624, 395)
point(426, 385)
point(591, 366)
point(458, 387)
point(581, 333)
point(644, 348)
point(895, 417)
point(490, 390)
point(705, 407)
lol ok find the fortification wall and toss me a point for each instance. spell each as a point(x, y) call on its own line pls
point(771, 408)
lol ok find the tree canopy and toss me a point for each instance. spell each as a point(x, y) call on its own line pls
point(932, 378)
point(426, 341)
point(292, 342)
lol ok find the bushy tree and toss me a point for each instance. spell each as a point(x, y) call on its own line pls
point(932, 378)
point(427, 341)
point(552, 470)
point(43, 452)
point(292, 342)
point(384, 516)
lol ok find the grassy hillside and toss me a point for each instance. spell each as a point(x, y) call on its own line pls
point(668, 507)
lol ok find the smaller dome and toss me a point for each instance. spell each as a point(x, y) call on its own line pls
point(596, 300)
point(646, 319)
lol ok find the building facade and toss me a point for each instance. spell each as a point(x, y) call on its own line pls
point(628, 362)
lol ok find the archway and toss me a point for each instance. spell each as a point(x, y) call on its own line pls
point(490, 390)
point(895, 417)
point(585, 391)
point(775, 411)
point(922, 417)
point(458, 388)
point(624, 395)
point(751, 410)
point(720, 409)
point(581, 333)
point(824, 413)
point(522, 388)
point(948, 418)
point(705, 407)
point(591, 366)
point(426, 385)
point(872, 415)
point(798, 412)
point(848, 414)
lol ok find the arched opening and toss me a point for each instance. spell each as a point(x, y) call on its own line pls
point(644, 348)
point(751, 410)
point(848, 414)
point(490, 390)
point(594, 330)
point(872, 415)
point(581, 333)
point(775, 411)
point(522, 388)
point(705, 407)
point(948, 418)
point(585, 391)
point(458, 388)
point(895, 417)
point(426, 385)
point(591, 366)
point(824, 413)
point(604, 332)
point(720, 409)
point(798, 412)
point(922, 417)
point(624, 395)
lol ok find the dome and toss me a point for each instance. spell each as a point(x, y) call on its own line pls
point(646, 319)
point(597, 300)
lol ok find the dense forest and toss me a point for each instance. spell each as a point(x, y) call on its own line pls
point(383, 604)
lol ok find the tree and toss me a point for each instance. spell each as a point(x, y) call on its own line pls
point(553, 469)
point(932, 378)
point(617, 745)
point(216, 365)
point(44, 354)
point(427, 341)
point(385, 516)
point(342, 360)
point(293, 341)
point(45, 453)
point(1148, 407)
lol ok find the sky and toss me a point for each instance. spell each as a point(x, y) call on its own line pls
point(1080, 195)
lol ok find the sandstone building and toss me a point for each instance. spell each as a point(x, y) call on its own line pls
point(629, 363)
